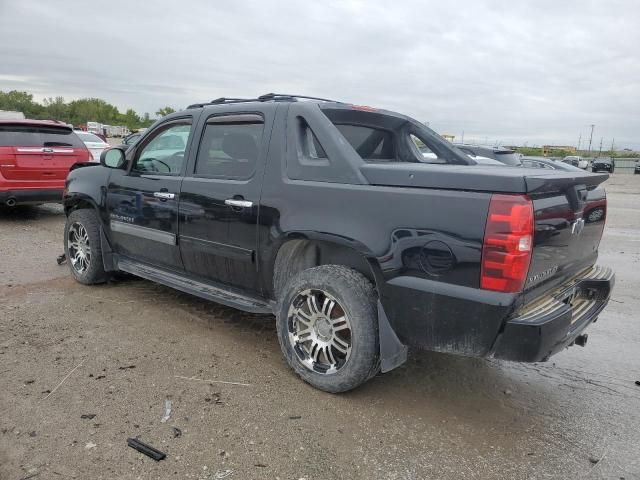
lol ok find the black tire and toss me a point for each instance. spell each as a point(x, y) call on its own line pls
point(94, 271)
point(357, 298)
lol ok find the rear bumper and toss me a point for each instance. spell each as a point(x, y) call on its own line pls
point(31, 196)
point(553, 322)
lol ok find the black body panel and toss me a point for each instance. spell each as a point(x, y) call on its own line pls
point(414, 229)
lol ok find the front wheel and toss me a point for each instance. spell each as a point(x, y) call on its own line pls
point(327, 327)
point(82, 247)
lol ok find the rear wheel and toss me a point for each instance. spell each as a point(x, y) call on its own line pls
point(82, 247)
point(327, 327)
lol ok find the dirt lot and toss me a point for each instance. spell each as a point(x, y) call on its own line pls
point(120, 350)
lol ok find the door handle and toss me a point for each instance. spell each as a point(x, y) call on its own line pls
point(232, 202)
point(164, 195)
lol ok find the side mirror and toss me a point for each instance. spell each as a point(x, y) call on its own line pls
point(113, 158)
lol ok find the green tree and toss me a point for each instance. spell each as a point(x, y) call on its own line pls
point(20, 102)
point(130, 119)
point(56, 109)
point(76, 112)
point(92, 110)
point(146, 120)
point(164, 111)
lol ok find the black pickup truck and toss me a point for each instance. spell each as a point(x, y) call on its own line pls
point(363, 231)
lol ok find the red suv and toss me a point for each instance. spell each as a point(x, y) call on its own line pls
point(35, 158)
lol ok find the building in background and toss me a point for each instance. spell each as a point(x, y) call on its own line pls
point(9, 115)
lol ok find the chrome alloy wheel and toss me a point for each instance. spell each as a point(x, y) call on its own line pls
point(319, 331)
point(79, 248)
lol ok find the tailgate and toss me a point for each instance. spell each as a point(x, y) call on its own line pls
point(36, 152)
point(38, 163)
point(570, 212)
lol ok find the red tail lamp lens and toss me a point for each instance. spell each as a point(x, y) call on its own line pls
point(508, 243)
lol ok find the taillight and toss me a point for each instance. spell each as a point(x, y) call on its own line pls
point(508, 243)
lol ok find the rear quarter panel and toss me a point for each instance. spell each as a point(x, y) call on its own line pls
point(423, 244)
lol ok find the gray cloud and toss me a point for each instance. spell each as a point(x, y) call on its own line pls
point(512, 71)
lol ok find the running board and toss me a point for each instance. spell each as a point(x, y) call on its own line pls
point(219, 294)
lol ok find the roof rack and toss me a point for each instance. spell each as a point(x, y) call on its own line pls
point(291, 98)
point(267, 97)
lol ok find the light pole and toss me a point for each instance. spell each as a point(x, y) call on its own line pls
point(591, 137)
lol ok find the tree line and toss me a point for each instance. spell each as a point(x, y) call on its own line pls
point(76, 112)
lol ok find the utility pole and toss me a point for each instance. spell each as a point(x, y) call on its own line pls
point(613, 141)
point(601, 138)
point(591, 137)
point(579, 142)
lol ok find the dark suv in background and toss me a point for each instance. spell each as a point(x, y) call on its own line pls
point(501, 154)
point(603, 165)
point(35, 158)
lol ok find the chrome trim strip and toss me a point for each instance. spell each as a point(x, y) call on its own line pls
point(164, 195)
point(143, 232)
point(30, 150)
point(555, 300)
point(238, 203)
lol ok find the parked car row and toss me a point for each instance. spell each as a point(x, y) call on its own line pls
point(36, 156)
point(94, 143)
point(577, 161)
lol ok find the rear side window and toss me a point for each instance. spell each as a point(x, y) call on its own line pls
point(229, 149)
point(34, 136)
point(309, 145)
point(370, 143)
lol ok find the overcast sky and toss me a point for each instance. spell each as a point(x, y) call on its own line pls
point(510, 71)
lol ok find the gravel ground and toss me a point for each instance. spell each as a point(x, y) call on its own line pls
point(84, 368)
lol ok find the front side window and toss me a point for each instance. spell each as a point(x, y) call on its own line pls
point(164, 154)
point(229, 150)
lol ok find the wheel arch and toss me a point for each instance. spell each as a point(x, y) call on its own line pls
point(82, 201)
point(299, 251)
point(79, 201)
